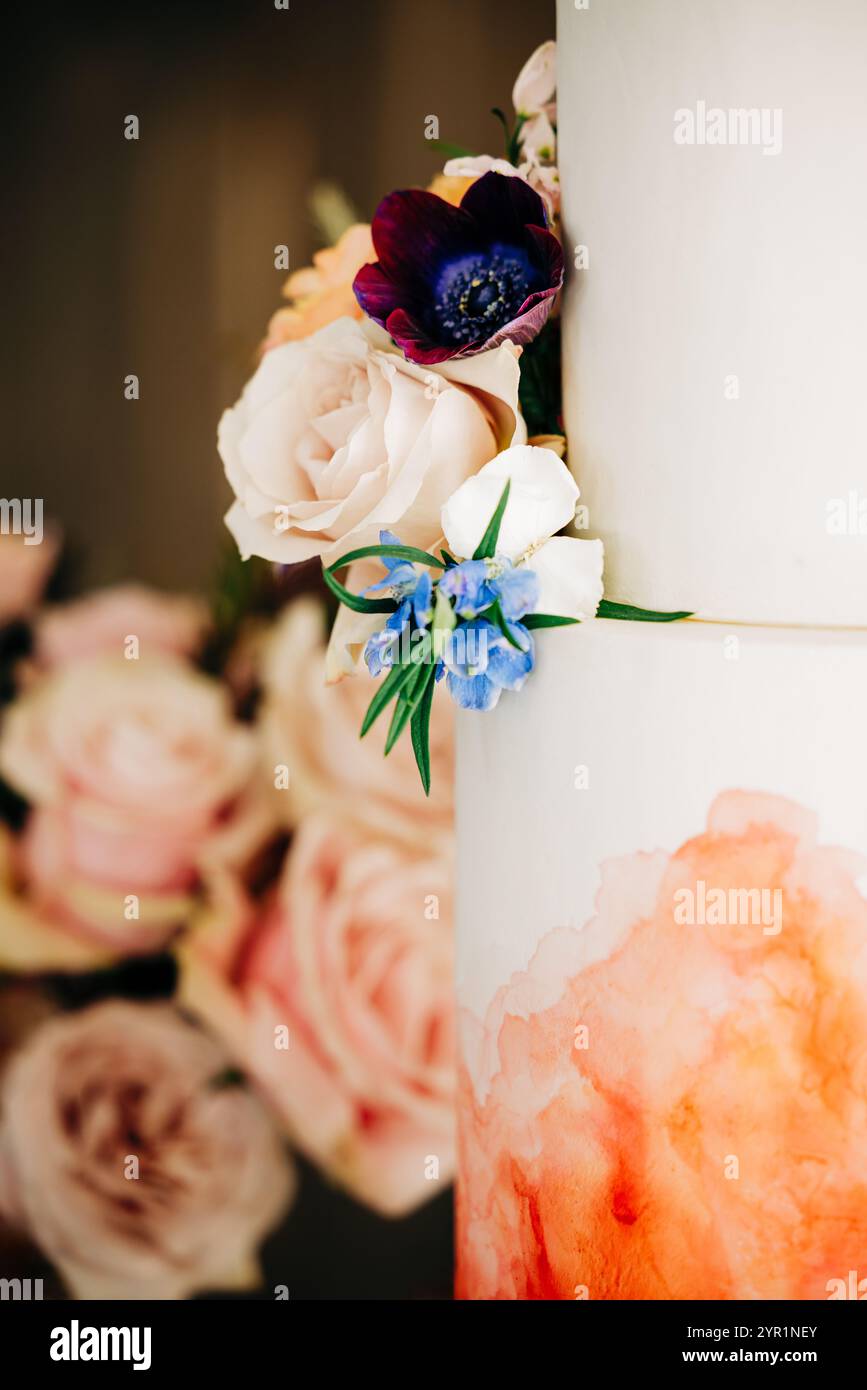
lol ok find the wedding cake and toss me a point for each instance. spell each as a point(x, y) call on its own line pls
point(662, 883)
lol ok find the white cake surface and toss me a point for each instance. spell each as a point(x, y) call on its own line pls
point(741, 500)
point(658, 720)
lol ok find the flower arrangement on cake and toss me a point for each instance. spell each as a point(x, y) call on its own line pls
point(418, 430)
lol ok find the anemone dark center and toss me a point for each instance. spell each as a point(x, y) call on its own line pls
point(480, 293)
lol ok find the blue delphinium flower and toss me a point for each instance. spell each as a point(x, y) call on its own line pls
point(413, 593)
point(474, 585)
point(482, 662)
point(380, 649)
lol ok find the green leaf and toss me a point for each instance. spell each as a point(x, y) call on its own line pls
point(501, 117)
point(448, 559)
point(495, 614)
point(355, 601)
point(405, 705)
point(396, 552)
point(420, 730)
point(449, 149)
point(534, 620)
point(513, 142)
point(391, 686)
point(488, 544)
point(539, 386)
point(625, 611)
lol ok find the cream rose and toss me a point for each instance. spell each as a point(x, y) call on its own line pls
point(335, 437)
point(130, 1161)
point(351, 966)
point(138, 778)
point(311, 729)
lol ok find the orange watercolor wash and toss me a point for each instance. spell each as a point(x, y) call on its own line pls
point(710, 1140)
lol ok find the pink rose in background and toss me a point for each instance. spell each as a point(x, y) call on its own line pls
point(322, 292)
point(102, 622)
point(334, 438)
point(139, 779)
point(24, 572)
point(128, 1159)
point(351, 962)
point(312, 729)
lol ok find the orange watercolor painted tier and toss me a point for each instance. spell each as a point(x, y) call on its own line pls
point(706, 1136)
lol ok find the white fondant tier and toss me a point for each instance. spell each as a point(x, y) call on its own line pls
point(716, 346)
point(662, 842)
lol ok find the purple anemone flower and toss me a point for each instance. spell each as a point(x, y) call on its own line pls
point(451, 281)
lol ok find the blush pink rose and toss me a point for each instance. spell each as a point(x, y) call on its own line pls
point(105, 620)
point(126, 1156)
point(352, 961)
point(337, 436)
point(138, 778)
point(311, 729)
point(24, 572)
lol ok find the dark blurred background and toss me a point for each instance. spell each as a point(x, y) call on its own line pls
point(156, 257)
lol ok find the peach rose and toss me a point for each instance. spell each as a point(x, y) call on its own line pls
point(311, 729)
point(138, 778)
point(103, 622)
point(452, 187)
point(128, 1159)
point(24, 572)
point(334, 438)
point(705, 1136)
point(322, 292)
point(350, 969)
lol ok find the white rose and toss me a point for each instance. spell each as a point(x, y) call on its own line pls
point(542, 499)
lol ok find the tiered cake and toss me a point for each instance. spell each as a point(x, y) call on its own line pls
point(663, 843)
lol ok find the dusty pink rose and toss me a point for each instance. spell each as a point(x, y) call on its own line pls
point(138, 778)
point(128, 1158)
point(105, 621)
point(24, 572)
point(311, 730)
point(352, 964)
point(706, 1137)
point(322, 292)
point(335, 437)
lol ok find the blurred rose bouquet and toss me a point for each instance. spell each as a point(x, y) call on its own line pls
point(180, 785)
